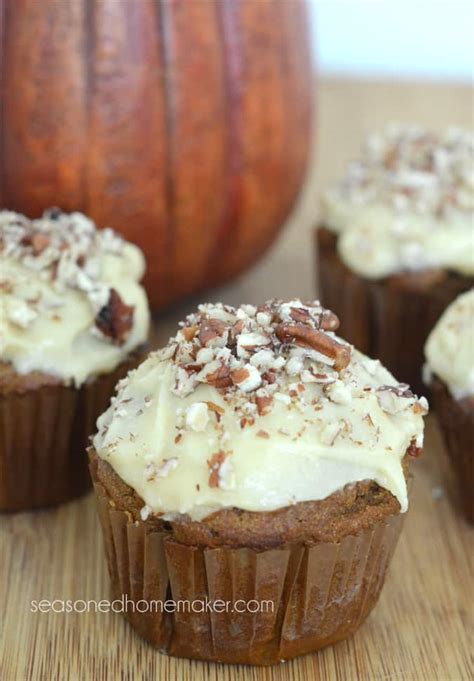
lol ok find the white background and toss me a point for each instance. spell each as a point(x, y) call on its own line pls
point(395, 38)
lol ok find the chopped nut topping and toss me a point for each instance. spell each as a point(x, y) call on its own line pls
point(214, 464)
point(413, 170)
point(66, 249)
point(242, 350)
point(264, 404)
point(413, 450)
point(115, 319)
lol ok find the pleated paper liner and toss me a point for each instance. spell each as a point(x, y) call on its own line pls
point(44, 433)
point(456, 419)
point(387, 319)
point(319, 594)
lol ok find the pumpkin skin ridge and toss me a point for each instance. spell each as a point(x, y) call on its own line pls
point(288, 164)
point(199, 165)
point(87, 96)
point(228, 225)
point(164, 52)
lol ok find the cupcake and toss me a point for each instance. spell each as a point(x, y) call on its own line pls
point(449, 371)
point(257, 463)
point(73, 319)
point(396, 243)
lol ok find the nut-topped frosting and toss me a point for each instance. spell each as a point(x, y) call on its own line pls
point(406, 204)
point(70, 299)
point(449, 349)
point(257, 408)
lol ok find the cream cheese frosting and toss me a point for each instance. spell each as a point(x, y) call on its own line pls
point(258, 409)
point(449, 350)
point(70, 300)
point(407, 204)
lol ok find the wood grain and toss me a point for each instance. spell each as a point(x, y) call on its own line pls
point(422, 624)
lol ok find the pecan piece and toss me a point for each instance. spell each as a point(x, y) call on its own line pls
point(219, 411)
point(189, 332)
point(329, 321)
point(264, 404)
point(235, 331)
point(115, 319)
point(413, 450)
point(210, 329)
point(269, 376)
point(317, 340)
point(39, 242)
point(298, 314)
point(214, 464)
point(220, 378)
point(239, 375)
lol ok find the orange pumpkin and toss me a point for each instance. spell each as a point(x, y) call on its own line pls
point(184, 124)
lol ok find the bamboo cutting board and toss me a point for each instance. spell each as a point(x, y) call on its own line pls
point(422, 626)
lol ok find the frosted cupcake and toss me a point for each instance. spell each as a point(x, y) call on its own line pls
point(449, 371)
point(73, 318)
point(396, 243)
point(257, 457)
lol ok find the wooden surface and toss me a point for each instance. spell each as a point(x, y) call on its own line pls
point(420, 628)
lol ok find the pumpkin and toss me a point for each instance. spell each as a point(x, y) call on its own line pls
point(183, 124)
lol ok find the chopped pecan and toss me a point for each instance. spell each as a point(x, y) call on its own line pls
point(239, 375)
point(214, 464)
point(115, 319)
point(269, 376)
point(329, 321)
point(6, 286)
point(189, 332)
point(212, 406)
point(299, 314)
point(263, 404)
point(220, 378)
point(400, 390)
point(413, 450)
point(235, 331)
point(39, 242)
point(317, 340)
point(419, 409)
point(210, 329)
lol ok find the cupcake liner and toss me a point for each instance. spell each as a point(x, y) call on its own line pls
point(319, 593)
point(456, 419)
point(390, 318)
point(44, 433)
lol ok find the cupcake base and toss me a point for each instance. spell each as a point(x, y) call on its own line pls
point(44, 432)
point(456, 419)
point(389, 318)
point(306, 595)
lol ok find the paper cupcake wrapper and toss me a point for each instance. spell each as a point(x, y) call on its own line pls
point(44, 433)
point(456, 419)
point(319, 593)
point(388, 319)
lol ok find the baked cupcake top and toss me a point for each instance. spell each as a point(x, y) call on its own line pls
point(257, 408)
point(449, 350)
point(406, 204)
point(71, 305)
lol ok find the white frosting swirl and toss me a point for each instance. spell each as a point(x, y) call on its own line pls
point(192, 448)
point(406, 204)
point(70, 302)
point(449, 349)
